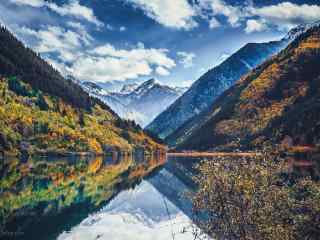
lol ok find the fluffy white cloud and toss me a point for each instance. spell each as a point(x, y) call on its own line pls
point(214, 23)
point(286, 15)
point(121, 64)
point(152, 56)
point(220, 8)
point(186, 59)
point(32, 3)
point(255, 26)
point(53, 39)
point(102, 69)
point(72, 8)
point(170, 13)
point(73, 51)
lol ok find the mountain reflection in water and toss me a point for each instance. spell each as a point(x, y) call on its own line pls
point(142, 213)
point(41, 197)
point(155, 209)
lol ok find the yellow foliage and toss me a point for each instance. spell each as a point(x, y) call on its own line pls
point(58, 129)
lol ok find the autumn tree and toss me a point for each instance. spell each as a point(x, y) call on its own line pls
point(250, 199)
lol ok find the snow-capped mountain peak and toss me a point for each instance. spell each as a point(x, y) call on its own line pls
point(146, 86)
point(128, 88)
point(141, 103)
point(93, 88)
point(302, 28)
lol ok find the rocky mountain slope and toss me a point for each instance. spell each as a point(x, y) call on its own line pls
point(141, 103)
point(213, 83)
point(279, 99)
point(41, 112)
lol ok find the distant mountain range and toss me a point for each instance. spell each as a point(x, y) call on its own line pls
point(278, 100)
point(141, 103)
point(190, 110)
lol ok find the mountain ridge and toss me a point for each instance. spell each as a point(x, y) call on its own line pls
point(272, 102)
point(208, 87)
point(38, 104)
point(140, 103)
point(196, 120)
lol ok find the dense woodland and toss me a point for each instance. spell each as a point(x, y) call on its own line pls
point(23, 63)
point(45, 117)
point(41, 112)
point(277, 99)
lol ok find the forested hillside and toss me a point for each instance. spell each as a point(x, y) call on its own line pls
point(41, 112)
point(279, 99)
point(209, 87)
point(17, 60)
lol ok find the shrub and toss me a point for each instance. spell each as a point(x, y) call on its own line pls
point(250, 199)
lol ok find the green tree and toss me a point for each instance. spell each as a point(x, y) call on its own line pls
point(81, 118)
point(41, 102)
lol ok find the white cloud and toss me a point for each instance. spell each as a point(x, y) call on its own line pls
point(53, 39)
point(153, 56)
point(162, 71)
point(122, 29)
point(170, 13)
point(186, 83)
point(74, 51)
point(286, 15)
point(120, 64)
point(255, 26)
point(81, 29)
point(186, 59)
point(32, 3)
point(103, 69)
point(220, 8)
point(109, 27)
point(72, 8)
point(214, 23)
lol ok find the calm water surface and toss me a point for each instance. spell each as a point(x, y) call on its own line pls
point(155, 209)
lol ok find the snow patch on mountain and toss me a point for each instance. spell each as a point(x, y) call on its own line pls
point(141, 103)
point(302, 28)
point(128, 88)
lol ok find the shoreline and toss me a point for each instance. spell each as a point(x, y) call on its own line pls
point(213, 154)
point(46, 154)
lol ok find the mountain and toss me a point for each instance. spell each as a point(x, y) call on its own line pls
point(128, 88)
point(213, 83)
point(302, 28)
point(141, 103)
point(278, 100)
point(41, 112)
point(149, 99)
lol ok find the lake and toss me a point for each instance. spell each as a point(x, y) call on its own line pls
point(155, 209)
point(116, 197)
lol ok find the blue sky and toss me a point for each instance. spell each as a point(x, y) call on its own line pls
point(175, 41)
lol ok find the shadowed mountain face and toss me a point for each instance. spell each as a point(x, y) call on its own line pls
point(278, 99)
point(204, 91)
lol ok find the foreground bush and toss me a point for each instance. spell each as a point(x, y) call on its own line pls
point(254, 199)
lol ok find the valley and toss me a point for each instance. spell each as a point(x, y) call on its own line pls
point(141, 103)
point(125, 121)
